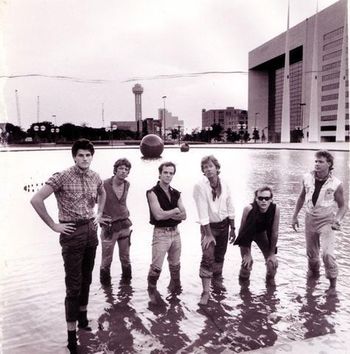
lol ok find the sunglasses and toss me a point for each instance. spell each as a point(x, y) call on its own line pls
point(264, 198)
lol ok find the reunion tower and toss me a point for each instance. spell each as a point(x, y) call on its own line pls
point(137, 90)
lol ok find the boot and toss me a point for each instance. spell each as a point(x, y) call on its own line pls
point(126, 274)
point(83, 322)
point(175, 283)
point(217, 280)
point(105, 276)
point(152, 288)
point(72, 342)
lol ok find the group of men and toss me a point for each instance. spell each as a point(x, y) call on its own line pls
point(78, 189)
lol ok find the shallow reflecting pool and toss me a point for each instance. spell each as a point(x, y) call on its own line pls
point(243, 318)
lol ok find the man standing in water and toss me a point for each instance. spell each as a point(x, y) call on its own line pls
point(118, 228)
point(322, 192)
point(166, 212)
point(216, 216)
point(77, 189)
point(260, 222)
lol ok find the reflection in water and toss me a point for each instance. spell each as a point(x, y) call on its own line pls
point(317, 310)
point(116, 324)
point(256, 319)
point(166, 325)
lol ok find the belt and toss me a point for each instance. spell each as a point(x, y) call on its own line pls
point(166, 228)
point(79, 222)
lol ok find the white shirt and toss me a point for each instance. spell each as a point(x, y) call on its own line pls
point(210, 210)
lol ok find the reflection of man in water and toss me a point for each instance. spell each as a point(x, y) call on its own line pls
point(260, 222)
point(77, 190)
point(216, 215)
point(322, 192)
point(166, 212)
point(316, 312)
point(118, 228)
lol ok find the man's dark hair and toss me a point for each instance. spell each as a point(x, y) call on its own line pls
point(327, 155)
point(263, 189)
point(166, 164)
point(211, 158)
point(121, 162)
point(82, 144)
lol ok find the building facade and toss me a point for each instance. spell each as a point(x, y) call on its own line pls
point(318, 79)
point(228, 118)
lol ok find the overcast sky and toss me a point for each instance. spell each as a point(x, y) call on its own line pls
point(87, 52)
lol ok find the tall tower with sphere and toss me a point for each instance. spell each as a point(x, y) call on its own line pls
point(137, 90)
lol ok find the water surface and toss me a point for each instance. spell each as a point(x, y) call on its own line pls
point(123, 321)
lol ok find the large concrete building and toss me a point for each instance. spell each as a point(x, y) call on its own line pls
point(317, 98)
point(229, 118)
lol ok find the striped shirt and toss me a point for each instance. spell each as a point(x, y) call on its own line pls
point(76, 192)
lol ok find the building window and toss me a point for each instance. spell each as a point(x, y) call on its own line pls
point(328, 128)
point(330, 107)
point(330, 87)
point(333, 34)
point(331, 66)
point(329, 97)
point(329, 118)
point(333, 44)
point(331, 76)
point(332, 55)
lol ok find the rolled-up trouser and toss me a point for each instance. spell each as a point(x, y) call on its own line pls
point(108, 241)
point(213, 256)
point(263, 243)
point(78, 252)
point(166, 240)
point(319, 234)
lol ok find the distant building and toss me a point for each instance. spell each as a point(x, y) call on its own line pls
point(137, 91)
point(228, 118)
point(152, 126)
point(317, 75)
point(171, 122)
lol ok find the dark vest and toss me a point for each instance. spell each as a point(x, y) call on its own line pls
point(165, 204)
point(114, 207)
point(256, 222)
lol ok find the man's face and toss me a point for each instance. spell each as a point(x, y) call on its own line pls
point(264, 200)
point(122, 172)
point(167, 174)
point(321, 164)
point(83, 159)
point(210, 170)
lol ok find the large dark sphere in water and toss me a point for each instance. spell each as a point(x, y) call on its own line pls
point(151, 146)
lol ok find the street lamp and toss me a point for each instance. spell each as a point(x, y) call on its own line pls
point(164, 122)
point(241, 127)
point(208, 130)
point(263, 137)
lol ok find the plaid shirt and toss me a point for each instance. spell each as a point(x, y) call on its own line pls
point(76, 193)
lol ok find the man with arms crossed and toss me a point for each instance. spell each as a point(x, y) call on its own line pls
point(118, 227)
point(77, 189)
point(166, 212)
point(322, 192)
point(216, 216)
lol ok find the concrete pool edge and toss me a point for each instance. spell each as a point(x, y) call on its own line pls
point(340, 146)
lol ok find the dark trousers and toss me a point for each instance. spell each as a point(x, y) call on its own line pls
point(78, 252)
point(213, 257)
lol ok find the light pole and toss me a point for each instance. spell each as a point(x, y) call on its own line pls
point(164, 122)
point(263, 137)
point(241, 127)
